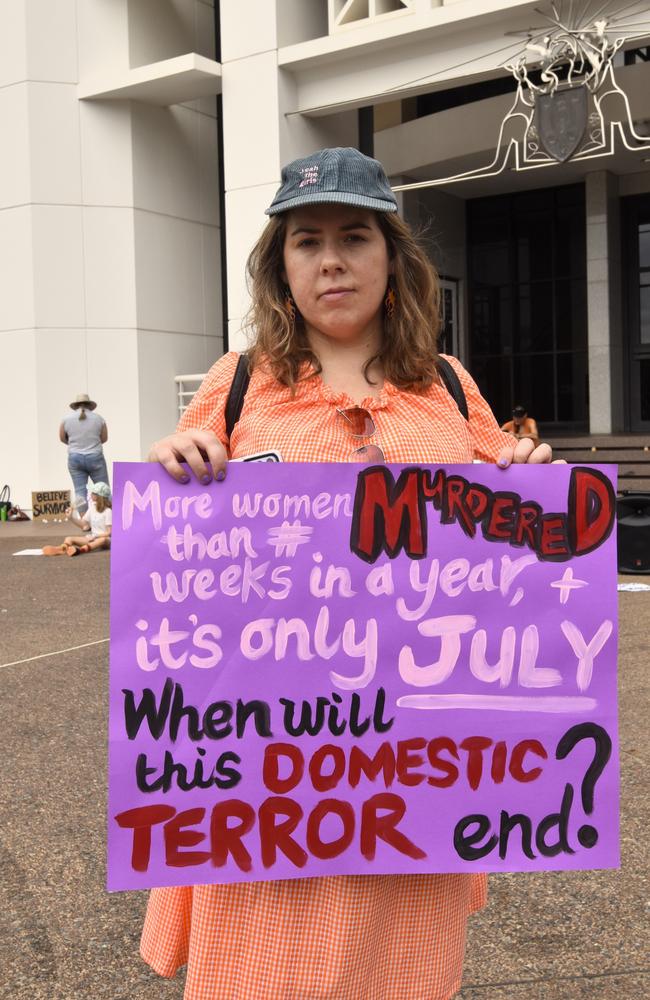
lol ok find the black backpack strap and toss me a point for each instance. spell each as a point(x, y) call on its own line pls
point(238, 388)
point(452, 385)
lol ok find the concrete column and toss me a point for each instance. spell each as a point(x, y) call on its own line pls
point(605, 348)
point(109, 230)
point(176, 221)
point(260, 132)
point(42, 304)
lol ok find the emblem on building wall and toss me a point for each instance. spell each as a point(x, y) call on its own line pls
point(568, 104)
point(561, 121)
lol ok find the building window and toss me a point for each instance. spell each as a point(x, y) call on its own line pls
point(528, 303)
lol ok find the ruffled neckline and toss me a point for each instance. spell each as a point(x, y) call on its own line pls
point(313, 387)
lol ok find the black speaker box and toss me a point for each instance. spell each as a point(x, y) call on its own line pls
point(633, 526)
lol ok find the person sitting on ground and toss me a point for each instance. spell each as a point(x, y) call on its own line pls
point(522, 426)
point(97, 522)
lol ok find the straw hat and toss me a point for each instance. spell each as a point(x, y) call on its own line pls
point(83, 400)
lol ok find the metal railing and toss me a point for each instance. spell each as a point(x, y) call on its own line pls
point(342, 13)
point(185, 394)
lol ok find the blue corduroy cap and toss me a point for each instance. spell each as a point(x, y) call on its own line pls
point(341, 176)
point(101, 490)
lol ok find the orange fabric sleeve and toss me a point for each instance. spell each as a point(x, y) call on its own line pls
point(207, 411)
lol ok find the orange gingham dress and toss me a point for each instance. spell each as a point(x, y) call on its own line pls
point(354, 937)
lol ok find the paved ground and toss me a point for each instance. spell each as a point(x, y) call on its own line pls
point(62, 937)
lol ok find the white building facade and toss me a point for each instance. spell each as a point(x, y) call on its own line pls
point(145, 139)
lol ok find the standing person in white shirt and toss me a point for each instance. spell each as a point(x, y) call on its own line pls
point(84, 432)
point(97, 522)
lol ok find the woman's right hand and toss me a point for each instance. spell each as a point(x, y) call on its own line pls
point(201, 450)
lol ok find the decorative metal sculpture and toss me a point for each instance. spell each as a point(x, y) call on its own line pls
point(577, 110)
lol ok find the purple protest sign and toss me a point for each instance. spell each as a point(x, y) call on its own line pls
point(333, 669)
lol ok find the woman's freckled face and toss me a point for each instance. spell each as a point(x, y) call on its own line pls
point(336, 265)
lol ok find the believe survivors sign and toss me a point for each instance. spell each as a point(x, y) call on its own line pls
point(336, 669)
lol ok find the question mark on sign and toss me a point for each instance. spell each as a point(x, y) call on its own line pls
point(587, 835)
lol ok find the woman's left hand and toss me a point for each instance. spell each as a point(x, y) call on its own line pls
point(525, 451)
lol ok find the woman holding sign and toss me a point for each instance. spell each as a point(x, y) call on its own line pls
point(344, 367)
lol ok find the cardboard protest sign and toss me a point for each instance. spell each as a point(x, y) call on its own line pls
point(50, 503)
point(335, 669)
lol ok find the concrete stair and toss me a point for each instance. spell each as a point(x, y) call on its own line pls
point(630, 452)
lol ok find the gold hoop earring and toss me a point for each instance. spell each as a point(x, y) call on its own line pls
point(390, 302)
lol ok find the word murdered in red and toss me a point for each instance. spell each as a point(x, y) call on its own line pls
point(392, 515)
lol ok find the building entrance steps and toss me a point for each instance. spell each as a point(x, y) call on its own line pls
point(631, 452)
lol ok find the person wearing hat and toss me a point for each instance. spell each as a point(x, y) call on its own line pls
point(84, 432)
point(98, 522)
point(343, 367)
point(521, 425)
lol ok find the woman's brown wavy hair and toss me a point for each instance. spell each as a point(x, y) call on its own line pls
point(409, 349)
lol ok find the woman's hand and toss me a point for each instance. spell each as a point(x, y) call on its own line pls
point(526, 451)
point(201, 450)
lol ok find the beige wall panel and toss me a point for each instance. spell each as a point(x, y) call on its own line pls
point(55, 162)
point(13, 43)
point(211, 269)
point(250, 121)
point(162, 356)
point(103, 37)
point(166, 161)
point(106, 152)
point(15, 169)
point(18, 404)
point(245, 220)
point(110, 275)
point(204, 29)
point(113, 377)
point(299, 21)
point(208, 171)
point(58, 256)
point(61, 373)
point(173, 34)
point(204, 105)
point(260, 32)
point(51, 39)
point(237, 338)
point(169, 273)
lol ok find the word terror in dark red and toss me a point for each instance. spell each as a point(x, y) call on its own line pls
point(282, 829)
